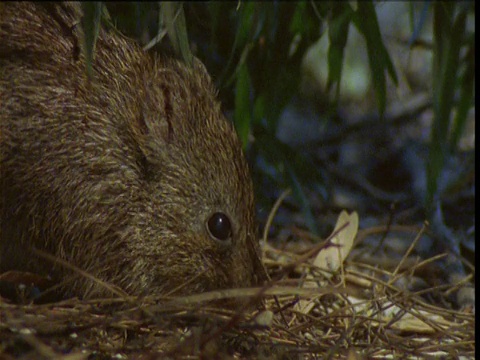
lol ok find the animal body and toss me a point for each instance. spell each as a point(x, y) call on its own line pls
point(135, 177)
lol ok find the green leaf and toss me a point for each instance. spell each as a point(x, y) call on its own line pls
point(297, 170)
point(241, 62)
point(466, 98)
point(92, 12)
point(338, 35)
point(245, 27)
point(416, 27)
point(174, 19)
point(302, 198)
point(214, 9)
point(300, 23)
point(449, 33)
point(365, 20)
point(242, 36)
point(259, 109)
point(242, 114)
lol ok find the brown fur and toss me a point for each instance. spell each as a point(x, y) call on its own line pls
point(118, 178)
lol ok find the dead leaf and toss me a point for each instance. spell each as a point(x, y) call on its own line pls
point(332, 257)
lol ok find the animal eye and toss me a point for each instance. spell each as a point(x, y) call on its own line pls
point(219, 226)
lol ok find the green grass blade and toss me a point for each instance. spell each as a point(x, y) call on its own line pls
point(242, 114)
point(174, 18)
point(92, 12)
point(448, 39)
point(465, 102)
point(338, 34)
point(365, 20)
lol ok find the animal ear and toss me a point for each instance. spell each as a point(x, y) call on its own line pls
point(152, 134)
point(152, 125)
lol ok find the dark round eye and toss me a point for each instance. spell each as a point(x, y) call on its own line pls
point(220, 226)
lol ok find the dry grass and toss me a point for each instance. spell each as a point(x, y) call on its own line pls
point(359, 313)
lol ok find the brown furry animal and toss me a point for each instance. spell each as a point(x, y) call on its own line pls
point(137, 179)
